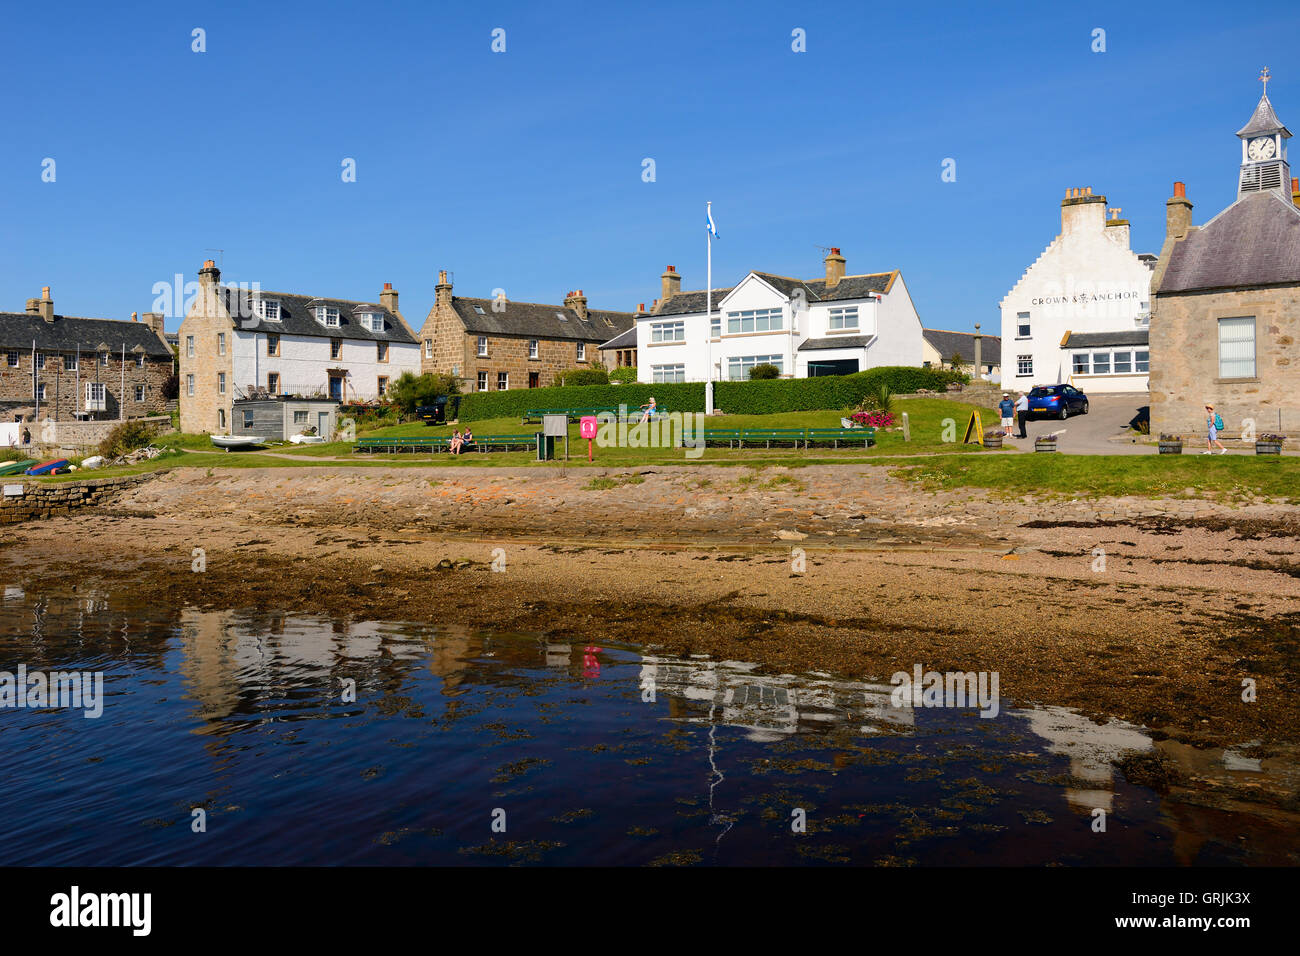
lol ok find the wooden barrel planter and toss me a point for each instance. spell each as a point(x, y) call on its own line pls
point(1268, 448)
point(1042, 444)
point(993, 442)
point(1171, 448)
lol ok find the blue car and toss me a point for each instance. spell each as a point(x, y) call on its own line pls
point(1056, 401)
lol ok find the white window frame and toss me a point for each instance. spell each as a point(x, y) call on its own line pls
point(1238, 366)
point(715, 326)
point(1024, 366)
point(1075, 368)
point(139, 360)
point(70, 361)
point(327, 316)
point(481, 384)
point(534, 348)
point(668, 373)
point(221, 343)
point(745, 363)
point(40, 361)
point(273, 382)
point(13, 358)
point(482, 346)
point(40, 392)
point(428, 348)
point(103, 358)
point(1126, 357)
point(139, 393)
point(300, 416)
point(189, 384)
point(668, 331)
point(189, 346)
point(1023, 322)
point(221, 383)
point(843, 317)
point(503, 381)
point(1142, 364)
point(96, 397)
point(582, 351)
point(757, 320)
point(269, 309)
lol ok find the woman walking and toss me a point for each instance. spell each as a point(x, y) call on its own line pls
point(1213, 422)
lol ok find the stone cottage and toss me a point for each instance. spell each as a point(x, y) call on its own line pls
point(1225, 316)
point(498, 344)
point(65, 368)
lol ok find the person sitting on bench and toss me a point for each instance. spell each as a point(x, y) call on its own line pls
point(467, 438)
point(649, 409)
point(457, 442)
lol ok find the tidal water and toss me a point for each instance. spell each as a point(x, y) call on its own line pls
point(305, 740)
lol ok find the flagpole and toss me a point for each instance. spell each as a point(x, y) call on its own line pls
point(708, 299)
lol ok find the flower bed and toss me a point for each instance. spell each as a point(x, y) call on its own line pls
point(1269, 444)
point(1171, 444)
point(873, 419)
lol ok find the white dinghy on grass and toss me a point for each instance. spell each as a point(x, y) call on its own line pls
point(237, 441)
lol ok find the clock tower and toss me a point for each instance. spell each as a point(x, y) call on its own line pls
point(1263, 150)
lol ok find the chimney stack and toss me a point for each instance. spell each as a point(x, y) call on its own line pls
point(209, 275)
point(640, 308)
point(1178, 214)
point(1081, 211)
point(154, 320)
point(834, 268)
point(45, 305)
point(442, 291)
point(671, 283)
point(578, 303)
point(388, 298)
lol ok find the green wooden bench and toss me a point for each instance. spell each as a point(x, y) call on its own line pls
point(486, 443)
point(396, 445)
point(716, 436)
point(836, 435)
point(769, 435)
point(572, 414)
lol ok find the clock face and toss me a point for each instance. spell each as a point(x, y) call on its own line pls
point(1260, 149)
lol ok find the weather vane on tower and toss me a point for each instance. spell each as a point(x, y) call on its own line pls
point(1264, 77)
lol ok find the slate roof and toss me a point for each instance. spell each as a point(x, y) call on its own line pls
point(538, 321)
point(1263, 120)
point(67, 332)
point(963, 343)
point(850, 287)
point(1088, 340)
point(624, 340)
point(298, 316)
point(836, 342)
point(1254, 242)
point(688, 303)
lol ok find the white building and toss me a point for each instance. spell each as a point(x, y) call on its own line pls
point(1080, 313)
point(238, 344)
point(830, 326)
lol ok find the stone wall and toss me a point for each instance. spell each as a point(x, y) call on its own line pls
point(1185, 362)
point(65, 389)
point(58, 499)
point(71, 438)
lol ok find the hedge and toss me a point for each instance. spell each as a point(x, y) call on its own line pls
point(764, 397)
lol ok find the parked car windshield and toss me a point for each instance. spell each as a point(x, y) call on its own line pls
point(1038, 391)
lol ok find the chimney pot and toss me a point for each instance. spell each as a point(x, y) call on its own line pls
point(672, 268)
point(387, 286)
point(135, 316)
point(45, 292)
point(1180, 190)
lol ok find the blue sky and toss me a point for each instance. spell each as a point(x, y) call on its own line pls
point(523, 170)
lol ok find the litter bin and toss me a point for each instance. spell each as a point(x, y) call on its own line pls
point(545, 447)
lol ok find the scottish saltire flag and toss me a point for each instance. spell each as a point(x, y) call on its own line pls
point(713, 230)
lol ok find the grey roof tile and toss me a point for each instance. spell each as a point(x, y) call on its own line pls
point(1088, 340)
point(537, 320)
point(66, 333)
point(297, 316)
point(1254, 242)
point(963, 344)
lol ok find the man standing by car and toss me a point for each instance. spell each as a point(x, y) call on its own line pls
point(1008, 409)
point(1022, 413)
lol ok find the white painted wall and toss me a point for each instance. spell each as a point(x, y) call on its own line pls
point(303, 360)
point(893, 320)
point(1086, 280)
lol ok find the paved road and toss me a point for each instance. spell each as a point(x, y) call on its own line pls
point(1108, 417)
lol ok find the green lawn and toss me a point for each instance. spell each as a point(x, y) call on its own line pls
point(926, 417)
point(1092, 476)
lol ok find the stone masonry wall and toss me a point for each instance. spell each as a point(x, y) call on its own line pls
point(1185, 362)
point(57, 499)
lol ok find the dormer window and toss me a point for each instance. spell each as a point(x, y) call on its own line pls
point(269, 309)
point(327, 316)
point(373, 321)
